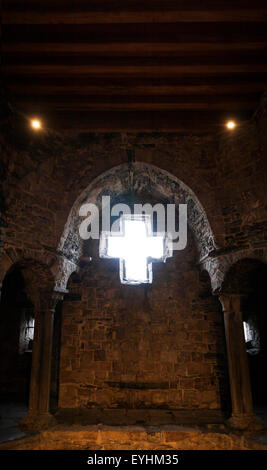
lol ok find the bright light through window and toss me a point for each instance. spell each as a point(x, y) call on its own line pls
point(135, 246)
point(247, 332)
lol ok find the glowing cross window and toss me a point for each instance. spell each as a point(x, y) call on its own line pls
point(136, 246)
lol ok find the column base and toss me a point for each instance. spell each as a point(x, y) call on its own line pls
point(37, 421)
point(245, 422)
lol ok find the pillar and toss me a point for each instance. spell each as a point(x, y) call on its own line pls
point(39, 402)
point(45, 375)
point(239, 376)
point(36, 360)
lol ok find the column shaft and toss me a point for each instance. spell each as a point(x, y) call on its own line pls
point(36, 364)
point(239, 375)
point(45, 377)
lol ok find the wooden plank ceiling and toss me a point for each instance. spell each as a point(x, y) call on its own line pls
point(135, 65)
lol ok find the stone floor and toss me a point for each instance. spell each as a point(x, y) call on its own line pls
point(10, 416)
point(135, 438)
point(107, 437)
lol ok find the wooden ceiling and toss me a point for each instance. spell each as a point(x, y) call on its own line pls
point(135, 65)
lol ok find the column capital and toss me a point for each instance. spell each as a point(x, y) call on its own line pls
point(225, 301)
point(57, 295)
point(231, 303)
point(49, 299)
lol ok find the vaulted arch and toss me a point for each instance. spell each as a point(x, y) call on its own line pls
point(139, 177)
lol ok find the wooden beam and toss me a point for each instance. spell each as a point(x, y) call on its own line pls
point(129, 5)
point(83, 81)
point(140, 32)
point(184, 122)
point(83, 16)
point(234, 106)
point(132, 49)
point(134, 70)
point(75, 91)
point(187, 115)
point(105, 101)
point(233, 58)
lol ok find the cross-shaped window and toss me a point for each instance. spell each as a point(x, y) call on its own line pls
point(136, 246)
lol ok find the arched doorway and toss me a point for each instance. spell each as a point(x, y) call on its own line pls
point(148, 352)
point(16, 341)
point(16, 337)
point(255, 331)
point(27, 310)
point(138, 177)
point(246, 281)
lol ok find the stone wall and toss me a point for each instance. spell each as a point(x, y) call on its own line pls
point(142, 347)
point(160, 347)
point(42, 174)
point(241, 184)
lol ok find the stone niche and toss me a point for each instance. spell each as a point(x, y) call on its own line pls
point(158, 346)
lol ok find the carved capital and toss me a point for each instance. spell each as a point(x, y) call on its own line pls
point(231, 304)
point(56, 296)
point(49, 300)
point(225, 301)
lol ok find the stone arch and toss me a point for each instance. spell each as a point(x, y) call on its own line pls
point(242, 294)
point(140, 177)
point(12, 256)
point(56, 267)
point(239, 278)
point(219, 266)
point(27, 283)
point(16, 337)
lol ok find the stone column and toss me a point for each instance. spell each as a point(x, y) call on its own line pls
point(45, 376)
point(36, 361)
point(39, 416)
point(242, 405)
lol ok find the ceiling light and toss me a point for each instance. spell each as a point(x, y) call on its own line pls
point(230, 125)
point(36, 124)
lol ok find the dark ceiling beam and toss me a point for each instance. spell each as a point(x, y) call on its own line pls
point(183, 122)
point(82, 82)
point(233, 58)
point(70, 92)
point(181, 66)
point(183, 115)
point(130, 5)
point(85, 99)
point(141, 106)
point(134, 70)
point(133, 48)
point(83, 16)
point(138, 33)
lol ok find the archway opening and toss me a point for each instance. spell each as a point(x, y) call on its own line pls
point(138, 178)
point(255, 330)
point(247, 278)
point(16, 341)
point(144, 352)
